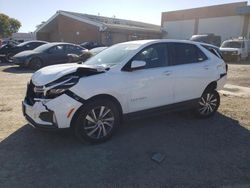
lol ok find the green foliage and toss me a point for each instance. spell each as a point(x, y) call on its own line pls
point(8, 26)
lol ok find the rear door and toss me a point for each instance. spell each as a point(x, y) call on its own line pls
point(192, 71)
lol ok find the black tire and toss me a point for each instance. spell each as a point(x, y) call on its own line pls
point(208, 104)
point(35, 63)
point(97, 121)
point(9, 57)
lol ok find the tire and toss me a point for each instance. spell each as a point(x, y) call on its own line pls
point(36, 63)
point(9, 57)
point(97, 121)
point(208, 104)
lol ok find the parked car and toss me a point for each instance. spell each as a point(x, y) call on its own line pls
point(127, 79)
point(47, 54)
point(235, 49)
point(207, 38)
point(86, 55)
point(9, 50)
point(91, 45)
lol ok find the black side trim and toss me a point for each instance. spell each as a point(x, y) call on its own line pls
point(222, 75)
point(39, 126)
point(74, 96)
point(190, 104)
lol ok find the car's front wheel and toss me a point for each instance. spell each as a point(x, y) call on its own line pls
point(9, 57)
point(208, 104)
point(97, 121)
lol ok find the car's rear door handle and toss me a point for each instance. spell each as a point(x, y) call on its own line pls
point(167, 73)
point(206, 67)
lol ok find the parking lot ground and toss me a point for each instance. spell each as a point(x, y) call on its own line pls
point(213, 152)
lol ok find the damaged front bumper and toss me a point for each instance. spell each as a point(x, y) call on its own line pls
point(51, 114)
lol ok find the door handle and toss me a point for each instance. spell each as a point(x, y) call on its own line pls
point(167, 73)
point(206, 67)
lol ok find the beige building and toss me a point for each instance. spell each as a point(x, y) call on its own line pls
point(77, 28)
point(227, 20)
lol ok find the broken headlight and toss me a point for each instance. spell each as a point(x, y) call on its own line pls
point(59, 86)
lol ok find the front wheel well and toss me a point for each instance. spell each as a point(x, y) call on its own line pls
point(98, 97)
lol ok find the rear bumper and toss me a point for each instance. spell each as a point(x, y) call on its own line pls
point(222, 81)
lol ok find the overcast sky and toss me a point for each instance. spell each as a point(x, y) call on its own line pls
point(31, 12)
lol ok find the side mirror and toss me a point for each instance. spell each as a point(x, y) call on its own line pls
point(137, 64)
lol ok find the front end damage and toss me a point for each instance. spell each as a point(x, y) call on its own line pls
point(53, 105)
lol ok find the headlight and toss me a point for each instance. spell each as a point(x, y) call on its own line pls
point(235, 53)
point(59, 86)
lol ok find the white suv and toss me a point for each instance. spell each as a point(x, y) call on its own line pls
point(125, 80)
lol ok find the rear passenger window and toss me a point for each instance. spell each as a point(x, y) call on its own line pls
point(213, 51)
point(182, 53)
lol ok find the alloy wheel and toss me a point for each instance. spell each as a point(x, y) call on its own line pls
point(99, 122)
point(208, 104)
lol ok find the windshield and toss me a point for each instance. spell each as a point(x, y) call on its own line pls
point(233, 44)
point(42, 48)
point(113, 55)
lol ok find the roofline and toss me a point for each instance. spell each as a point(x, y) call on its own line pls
point(48, 21)
point(209, 6)
point(81, 19)
point(100, 26)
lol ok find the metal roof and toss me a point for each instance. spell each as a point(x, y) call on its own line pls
point(104, 23)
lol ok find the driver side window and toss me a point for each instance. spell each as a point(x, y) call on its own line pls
point(154, 56)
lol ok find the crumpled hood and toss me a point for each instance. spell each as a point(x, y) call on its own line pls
point(229, 49)
point(25, 53)
point(52, 73)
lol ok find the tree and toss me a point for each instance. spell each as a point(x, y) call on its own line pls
point(8, 26)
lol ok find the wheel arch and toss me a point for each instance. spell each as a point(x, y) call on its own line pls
point(100, 96)
point(210, 87)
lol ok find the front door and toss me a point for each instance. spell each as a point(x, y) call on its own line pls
point(151, 86)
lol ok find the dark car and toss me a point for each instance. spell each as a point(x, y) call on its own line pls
point(86, 55)
point(207, 38)
point(91, 45)
point(9, 50)
point(47, 54)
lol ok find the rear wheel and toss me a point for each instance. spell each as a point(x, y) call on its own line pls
point(36, 63)
point(97, 121)
point(9, 57)
point(208, 104)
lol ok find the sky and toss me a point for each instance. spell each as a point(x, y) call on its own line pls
point(32, 12)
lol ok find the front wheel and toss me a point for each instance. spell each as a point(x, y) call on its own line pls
point(9, 57)
point(208, 104)
point(97, 121)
